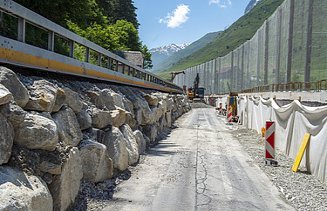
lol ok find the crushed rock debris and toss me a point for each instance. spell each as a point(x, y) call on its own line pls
point(302, 190)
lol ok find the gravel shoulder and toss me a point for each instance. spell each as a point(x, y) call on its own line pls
point(302, 190)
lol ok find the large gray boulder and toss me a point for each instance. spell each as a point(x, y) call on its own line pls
point(131, 144)
point(108, 99)
point(60, 100)
point(162, 105)
point(9, 79)
point(64, 187)
point(73, 100)
point(19, 191)
point(84, 118)
point(118, 117)
point(151, 99)
point(6, 139)
point(157, 112)
point(162, 124)
point(130, 120)
point(97, 165)
point(144, 115)
point(170, 103)
point(141, 143)
point(43, 96)
point(151, 132)
point(118, 100)
point(102, 100)
point(139, 116)
point(36, 132)
point(5, 95)
point(116, 145)
point(128, 105)
point(168, 119)
point(101, 118)
point(68, 128)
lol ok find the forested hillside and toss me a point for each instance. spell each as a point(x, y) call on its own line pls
point(111, 24)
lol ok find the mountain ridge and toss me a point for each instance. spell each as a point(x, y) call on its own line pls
point(183, 53)
point(161, 53)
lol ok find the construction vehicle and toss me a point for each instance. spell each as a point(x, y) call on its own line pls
point(196, 93)
point(174, 74)
point(232, 103)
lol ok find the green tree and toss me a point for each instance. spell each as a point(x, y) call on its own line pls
point(81, 12)
point(116, 10)
point(120, 36)
point(147, 57)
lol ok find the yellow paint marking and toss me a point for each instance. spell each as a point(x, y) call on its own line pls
point(300, 153)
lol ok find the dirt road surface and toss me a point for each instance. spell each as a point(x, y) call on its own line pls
point(198, 166)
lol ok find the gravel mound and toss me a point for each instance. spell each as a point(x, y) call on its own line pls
point(302, 190)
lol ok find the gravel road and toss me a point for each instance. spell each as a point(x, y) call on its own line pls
point(204, 164)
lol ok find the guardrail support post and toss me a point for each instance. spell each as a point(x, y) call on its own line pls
point(116, 67)
point(51, 41)
point(71, 48)
point(99, 59)
point(21, 30)
point(109, 63)
point(87, 55)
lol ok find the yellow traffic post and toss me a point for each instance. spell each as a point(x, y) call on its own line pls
point(300, 153)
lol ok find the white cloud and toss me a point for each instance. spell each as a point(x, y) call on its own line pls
point(221, 3)
point(177, 17)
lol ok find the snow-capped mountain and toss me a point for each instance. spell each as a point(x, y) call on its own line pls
point(250, 6)
point(161, 53)
point(168, 49)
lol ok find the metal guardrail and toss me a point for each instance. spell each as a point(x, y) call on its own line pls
point(106, 61)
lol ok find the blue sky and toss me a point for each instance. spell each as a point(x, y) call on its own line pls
point(164, 22)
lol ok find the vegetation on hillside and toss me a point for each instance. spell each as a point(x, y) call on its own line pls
point(238, 33)
point(111, 24)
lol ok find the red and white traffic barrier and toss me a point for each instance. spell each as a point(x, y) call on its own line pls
point(270, 143)
point(229, 114)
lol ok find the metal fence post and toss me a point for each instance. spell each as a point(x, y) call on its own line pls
point(242, 71)
point(308, 44)
point(265, 68)
point(278, 44)
point(232, 71)
point(290, 43)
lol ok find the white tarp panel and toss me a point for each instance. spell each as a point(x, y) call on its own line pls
point(223, 101)
point(292, 122)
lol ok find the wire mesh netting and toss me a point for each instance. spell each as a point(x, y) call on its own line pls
point(289, 48)
point(319, 41)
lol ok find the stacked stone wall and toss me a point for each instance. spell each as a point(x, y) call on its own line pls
point(56, 132)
